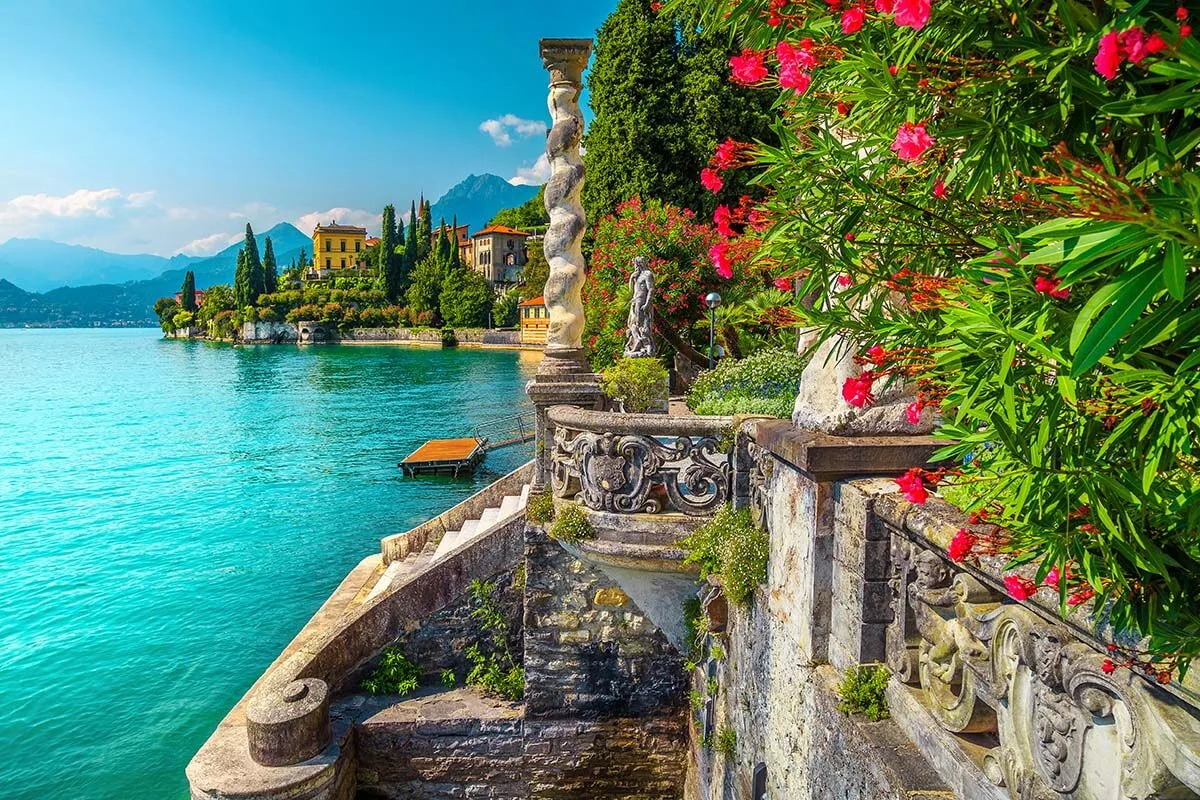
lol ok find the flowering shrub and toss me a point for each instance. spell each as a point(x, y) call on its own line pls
point(763, 383)
point(640, 384)
point(732, 547)
point(1003, 199)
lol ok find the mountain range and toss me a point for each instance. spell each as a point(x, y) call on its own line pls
point(44, 283)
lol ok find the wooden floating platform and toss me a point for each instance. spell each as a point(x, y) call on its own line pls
point(449, 456)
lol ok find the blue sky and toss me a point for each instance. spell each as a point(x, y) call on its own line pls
point(164, 126)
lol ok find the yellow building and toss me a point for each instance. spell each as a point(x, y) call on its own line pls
point(535, 321)
point(337, 248)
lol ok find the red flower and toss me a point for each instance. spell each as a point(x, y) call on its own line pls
point(710, 180)
point(722, 217)
point(1181, 13)
point(783, 284)
point(1155, 44)
point(857, 391)
point(1164, 677)
point(801, 55)
point(719, 253)
point(912, 486)
point(850, 237)
point(912, 141)
point(912, 13)
point(1019, 588)
point(1109, 56)
point(844, 281)
point(1049, 286)
point(1052, 578)
point(852, 19)
point(1185, 31)
point(884, 6)
point(913, 413)
point(1108, 666)
point(1080, 597)
point(656, 7)
point(961, 545)
point(876, 354)
point(748, 68)
point(792, 77)
point(843, 108)
point(939, 189)
point(727, 154)
point(892, 70)
point(1133, 44)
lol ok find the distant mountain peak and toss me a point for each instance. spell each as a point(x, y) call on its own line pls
point(477, 198)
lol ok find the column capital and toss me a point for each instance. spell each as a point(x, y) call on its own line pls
point(565, 59)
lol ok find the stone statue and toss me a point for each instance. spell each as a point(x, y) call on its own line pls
point(639, 333)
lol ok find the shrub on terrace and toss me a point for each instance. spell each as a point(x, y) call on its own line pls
point(763, 383)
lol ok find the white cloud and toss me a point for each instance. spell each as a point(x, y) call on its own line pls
point(208, 245)
point(535, 175)
point(344, 216)
point(80, 203)
point(503, 130)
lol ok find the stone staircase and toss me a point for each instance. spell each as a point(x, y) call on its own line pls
point(402, 570)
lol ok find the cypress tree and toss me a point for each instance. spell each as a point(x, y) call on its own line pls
point(241, 281)
point(254, 267)
point(270, 270)
point(442, 253)
point(425, 232)
point(412, 252)
point(303, 258)
point(389, 269)
point(187, 293)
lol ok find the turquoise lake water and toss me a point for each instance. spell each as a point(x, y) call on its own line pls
point(171, 513)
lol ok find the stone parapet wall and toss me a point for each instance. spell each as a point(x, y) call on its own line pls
point(268, 333)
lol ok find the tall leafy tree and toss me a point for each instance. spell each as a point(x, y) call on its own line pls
point(270, 270)
point(662, 101)
point(535, 273)
point(241, 281)
point(254, 267)
point(389, 266)
point(466, 298)
point(455, 257)
point(412, 253)
point(442, 251)
point(425, 231)
point(187, 292)
point(303, 258)
point(424, 292)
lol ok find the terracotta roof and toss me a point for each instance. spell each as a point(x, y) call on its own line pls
point(502, 229)
point(339, 229)
point(537, 301)
point(374, 240)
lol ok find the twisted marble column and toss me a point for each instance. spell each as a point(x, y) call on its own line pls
point(566, 60)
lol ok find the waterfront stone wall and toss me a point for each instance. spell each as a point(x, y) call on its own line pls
point(269, 333)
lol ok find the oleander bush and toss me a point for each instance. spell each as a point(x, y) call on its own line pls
point(998, 202)
point(765, 382)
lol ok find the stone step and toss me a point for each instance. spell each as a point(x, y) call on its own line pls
point(399, 571)
point(525, 495)
point(510, 505)
point(488, 518)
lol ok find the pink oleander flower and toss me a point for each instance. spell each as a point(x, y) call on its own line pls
point(857, 391)
point(852, 19)
point(844, 281)
point(961, 546)
point(792, 76)
point(748, 68)
point(913, 413)
point(1080, 597)
point(1049, 286)
point(876, 354)
point(1108, 666)
point(726, 154)
point(710, 180)
point(912, 486)
point(939, 189)
point(912, 141)
point(885, 6)
point(1019, 588)
point(912, 13)
point(1109, 56)
point(722, 218)
point(719, 253)
point(1052, 578)
point(783, 284)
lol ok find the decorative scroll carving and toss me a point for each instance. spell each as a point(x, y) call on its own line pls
point(655, 464)
point(986, 664)
point(762, 465)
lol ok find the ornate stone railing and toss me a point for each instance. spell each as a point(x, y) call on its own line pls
point(1034, 700)
point(642, 463)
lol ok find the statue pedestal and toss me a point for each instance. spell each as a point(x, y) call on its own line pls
point(563, 379)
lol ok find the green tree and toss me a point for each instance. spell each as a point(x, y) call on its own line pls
point(425, 231)
point(504, 309)
point(455, 256)
point(466, 298)
point(662, 102)
point(425, 289)
point(303, 258)
point(531, 214)
point(535, 273)
point(412, 252)
point(187, 292)
point(270, 270)
point(165, 308)
point(254, 267)
point(442, 252)
point(241, 281)
point(389, 265)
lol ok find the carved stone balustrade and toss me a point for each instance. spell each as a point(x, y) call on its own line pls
point(1023, 692)
point(642, 463)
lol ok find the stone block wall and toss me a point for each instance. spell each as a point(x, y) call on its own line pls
point(605, 691)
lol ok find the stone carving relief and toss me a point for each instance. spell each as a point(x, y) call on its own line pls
point(640, 473)
point(1066, 729)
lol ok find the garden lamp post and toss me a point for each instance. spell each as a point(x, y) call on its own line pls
point(712, 300)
